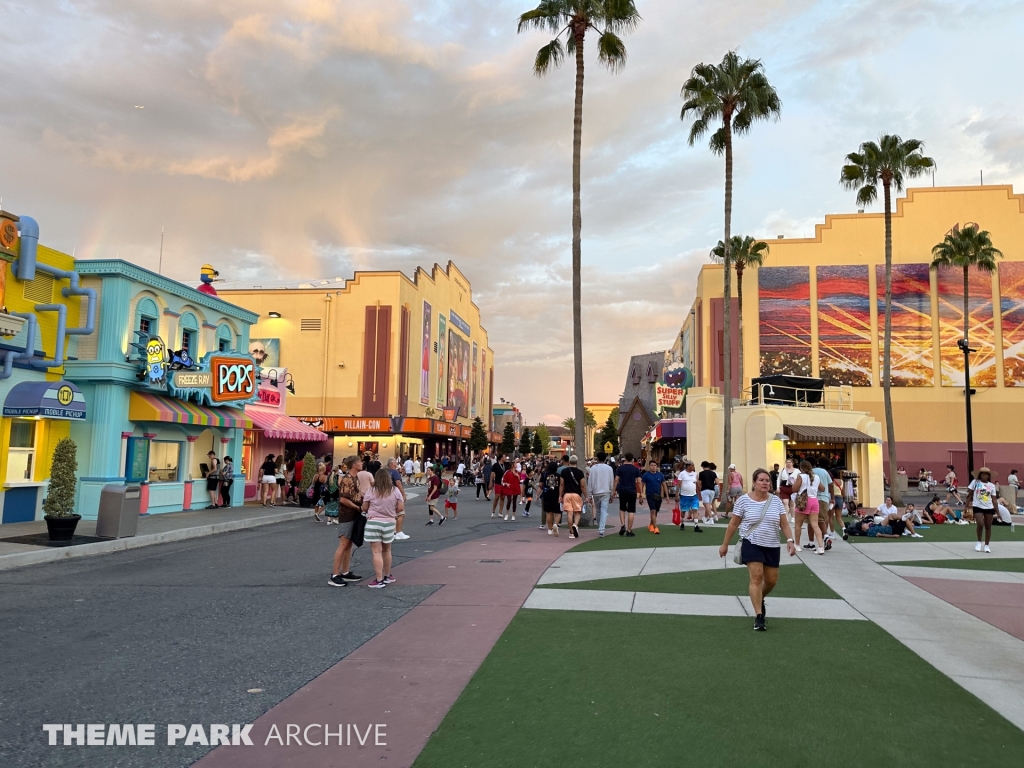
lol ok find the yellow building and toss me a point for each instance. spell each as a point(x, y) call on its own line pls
point(816, 309)
point(601, 413)
point(382, 363)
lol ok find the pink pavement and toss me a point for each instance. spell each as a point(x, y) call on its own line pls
point(1001, 605)
point(409, 675)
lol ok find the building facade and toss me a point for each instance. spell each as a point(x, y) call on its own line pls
point(638, 407)
point(816, 309)
point(381, 363)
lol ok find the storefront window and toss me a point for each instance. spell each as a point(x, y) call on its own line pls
point(163, 462)
point(22, 450)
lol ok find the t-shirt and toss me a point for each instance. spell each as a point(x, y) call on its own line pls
point(874, 530)
point(434, 487)
point(984, 494)
point(550, 484)
point(385, 508)
point(652, 483)
point(571, 479)
point(396, 476)
point(511, 483)
point(461, 470)
point(268, 468)
point(627, 474)
point(687, 483)
point(365, 480)
point(886, 511)
point(766, 533)
point(787, 477)
point(735, 479)
point(601, 480)
point(416, 467)
point(708, 480)
point(825, 489)
point(809, 484)
point(408, 467)
point(1012, 480)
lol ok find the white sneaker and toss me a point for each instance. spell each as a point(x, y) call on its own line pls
point(506, 518)
point(906, 533)
point(819, 551)
point(402, 535)
point(550, 532)
point(987, 549)
point(513, 518)
point(977, 547)
point(916, 536)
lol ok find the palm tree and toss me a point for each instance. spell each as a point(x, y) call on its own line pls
point(737, 93)
point(573, 18)
point(746, 252)
point(888, 162)
point(966, 248)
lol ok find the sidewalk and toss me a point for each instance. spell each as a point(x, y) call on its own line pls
point(153, 529)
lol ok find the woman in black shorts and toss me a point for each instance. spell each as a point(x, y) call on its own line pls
point(549, 483)
point(759, 515)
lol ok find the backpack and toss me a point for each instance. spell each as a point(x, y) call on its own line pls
point(444, 486)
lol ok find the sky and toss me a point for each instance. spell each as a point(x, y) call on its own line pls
point(289, 140)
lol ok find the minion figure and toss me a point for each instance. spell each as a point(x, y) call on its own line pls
point(155, 361)
point(207, 275)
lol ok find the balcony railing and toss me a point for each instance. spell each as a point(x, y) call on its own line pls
point(830, 398)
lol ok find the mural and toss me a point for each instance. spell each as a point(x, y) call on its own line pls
point(266, 352)
point(1011, 307)
point(474, 391)
point(784, 314)
point(913, 363)
point(442, 361)
point(950, 284)
point(458, 373)
point(844, 326)
point(425, 358)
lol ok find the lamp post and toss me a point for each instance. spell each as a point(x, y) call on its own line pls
point(962, 343)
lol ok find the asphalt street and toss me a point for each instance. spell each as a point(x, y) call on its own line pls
point(180, 633)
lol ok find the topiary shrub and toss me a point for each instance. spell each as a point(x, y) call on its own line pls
point(60, 496)
point(308, 472)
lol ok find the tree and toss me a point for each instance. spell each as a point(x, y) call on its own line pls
point(574, 18)
point(508, 439)
point(746, 252)
point(888, 162)
point(545, 437)
point(525, 442)
point(737, 93)
point(60, 496)
point(478, 436)
point(539, 448)
point(308, 472)
point(609, 434)
point(570, 424)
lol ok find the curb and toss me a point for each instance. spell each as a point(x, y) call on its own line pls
point(52, 554)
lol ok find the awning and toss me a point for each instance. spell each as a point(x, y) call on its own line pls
point(282, 427)
point(143, 406)
point(825, 434)
point(49, 399)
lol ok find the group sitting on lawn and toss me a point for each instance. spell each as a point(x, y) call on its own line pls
point(888, 522)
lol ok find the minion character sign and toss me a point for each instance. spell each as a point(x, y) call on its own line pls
point(156, 361)
point(208, 275)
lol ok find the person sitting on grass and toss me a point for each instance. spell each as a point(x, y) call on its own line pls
point(900, 524)
point(941, 513)
point(1002, 516)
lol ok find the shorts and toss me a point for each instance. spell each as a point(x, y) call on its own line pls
point(983, 511)
point(571, 502)
point(735, 493)
point(688, 503)
point(707, 497)
point(269, 479)
point(812, 506)
point(654, 502)
point(549, 503)
point(898, 527)
point(280, 481)
point(432, 505)
point(382, 531)
point(785, 491)
point(627, 502)
point(451, 504)
point(824, 504)
point(345, 530)
point(211, 483)
point(755, 553)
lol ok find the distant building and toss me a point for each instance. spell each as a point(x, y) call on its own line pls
point(505, 414)
point(637, 406)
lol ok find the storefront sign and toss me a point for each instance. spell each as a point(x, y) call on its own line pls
point(344, 426)
point(458, 322)
point(442, 428)
point(234, 379)
point(269, 396)
point(668, 397)
point(47, 399)
point(186, 379)
point(8, 236)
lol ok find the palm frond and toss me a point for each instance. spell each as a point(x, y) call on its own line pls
point(548, 57)
point(549, 15)
point(966, 247)
point(619, 15)
point(611, 51)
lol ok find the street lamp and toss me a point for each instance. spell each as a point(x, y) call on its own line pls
point(963, 345)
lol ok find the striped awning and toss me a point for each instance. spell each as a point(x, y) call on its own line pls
point(144, 406)
point(806, 434)
point(281, 427)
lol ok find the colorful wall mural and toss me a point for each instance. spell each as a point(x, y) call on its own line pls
point(844, 326)
point(784, 315)
point(1011, 308)
point(981, 327)
point(474, 390)
point(442, 361)
point(913, 363)
point(458, 373)
point(425, 357)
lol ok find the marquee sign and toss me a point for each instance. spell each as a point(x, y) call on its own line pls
point(666, 397)
point(220, 379)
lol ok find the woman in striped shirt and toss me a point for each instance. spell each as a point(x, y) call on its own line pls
point(759, 515)
point(381, 503)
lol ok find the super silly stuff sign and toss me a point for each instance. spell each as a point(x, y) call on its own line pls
point(218, 380)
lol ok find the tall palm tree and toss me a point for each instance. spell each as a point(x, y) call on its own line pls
point(966, 248)
point(574, 18)
point(888, 162)
point(738, 94)
point(746, 252)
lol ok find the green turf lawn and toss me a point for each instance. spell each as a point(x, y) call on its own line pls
point(750, 703)
point(795, 580)
point(949, 533)
point(670, 536)
point(1015, 564)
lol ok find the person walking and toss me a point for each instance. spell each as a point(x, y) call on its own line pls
point(417, 470)
point(497, 477)
point(433, 494)
point(952, 488)
point(689, 504)
point(824, 501)
point(409, 468)
point(396, 480)
point(627, 489)
point(654, 489)
point(213, 479)
point(571, 492)
point(707, 484)
point(511, 487)
point(268, 480)
point(227, 479)
point(601, 483)
point(759, 516)
point(787, 476)
point(805, 499)
point(735, 484)
point(550, 483)
point(319, 483)
point(527, 480)
point(981, 496)
point(451, 499)
point(350, 503)
point(1012, 487)
point(478, 478)
point(382, 505)
point(486, 471)
point(280, 478)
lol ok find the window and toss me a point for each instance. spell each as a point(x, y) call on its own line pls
point(223, 345)
point(225, 338)
point(22, 451)
point(164, 458)
point(144, 324)
point(146, 314)
point(188, 342)
point(189, 335)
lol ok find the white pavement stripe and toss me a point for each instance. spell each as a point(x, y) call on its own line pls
point(957, 574)
point(685, 605)
point(907, 551)
point(688, 559)
point(938, 632)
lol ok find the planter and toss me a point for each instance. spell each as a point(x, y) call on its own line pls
point(304, 501)
point(61, 528)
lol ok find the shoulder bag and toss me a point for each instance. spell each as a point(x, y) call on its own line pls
point(737, 551)
point(358, 529)
point(802, 494)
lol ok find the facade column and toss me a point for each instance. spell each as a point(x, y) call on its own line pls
point(189, 458)
point(144, 491)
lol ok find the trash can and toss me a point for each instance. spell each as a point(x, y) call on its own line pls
point(119, 511)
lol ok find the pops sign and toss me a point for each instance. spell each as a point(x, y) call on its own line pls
point(233, 378)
